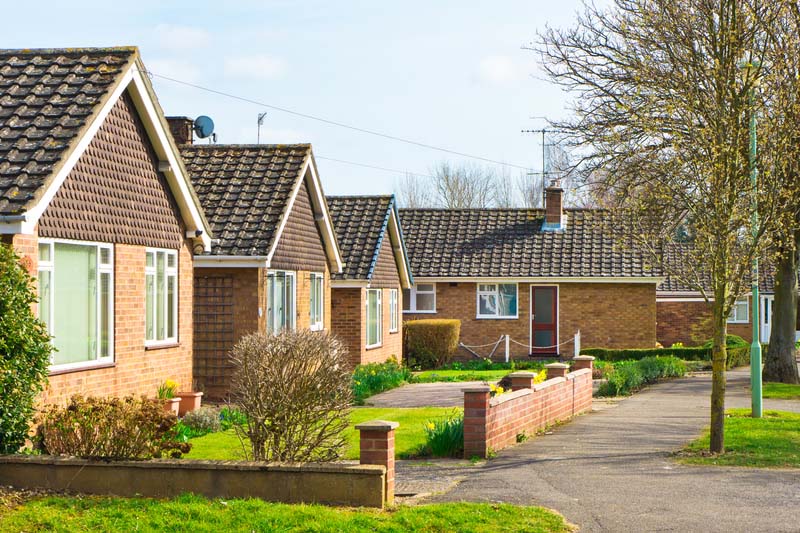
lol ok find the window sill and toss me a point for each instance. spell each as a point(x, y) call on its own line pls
point(374, 346)
point(149, 347)
point(738, 322)
point(98, 366)
point(497, 318)
point(393, 331)
point(412, 312)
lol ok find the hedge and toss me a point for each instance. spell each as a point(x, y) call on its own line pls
point(430, 343)
point(738, 353)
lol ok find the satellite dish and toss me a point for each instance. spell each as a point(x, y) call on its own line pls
point(203, 126)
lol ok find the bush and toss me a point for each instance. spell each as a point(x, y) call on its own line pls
point(488, 364)
point(110, 428)
point(24, 352)
point(730, 340)
point(230, 417)
point(444, 437)
point(377, 377)
point(430, 343)
point(738, 352)
point(295, 390)
point(202, 421)
point(629, 376)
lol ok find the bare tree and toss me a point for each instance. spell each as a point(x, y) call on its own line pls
point(463, 186)
point(505, 190)
point(414, 191)
point(531, 190)
point(661, 111)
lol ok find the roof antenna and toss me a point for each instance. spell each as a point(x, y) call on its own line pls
point(260, 122)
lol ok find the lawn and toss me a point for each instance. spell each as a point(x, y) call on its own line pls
point(409, 437)
point(196, 514)
point(433, 376)
point(781, 391)
point(771, 441)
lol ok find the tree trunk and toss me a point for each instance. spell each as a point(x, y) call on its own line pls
point(719, 356)
point(780, 364)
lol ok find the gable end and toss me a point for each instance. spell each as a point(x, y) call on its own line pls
point(300, 246)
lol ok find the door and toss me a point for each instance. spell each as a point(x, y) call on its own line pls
point(544, 320)
point(766, 317)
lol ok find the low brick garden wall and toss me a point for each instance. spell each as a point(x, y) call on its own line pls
point(494, 423)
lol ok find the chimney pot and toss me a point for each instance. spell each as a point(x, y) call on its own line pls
point(182, 129)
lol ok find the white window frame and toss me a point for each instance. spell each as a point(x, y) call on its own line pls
point(108, 268)
point(291, 318)
point(496, 294)
point(319, 324)
point(733, 319)
point(394, 323)
point(412, 300)
point(379, 342)
point(168, 272)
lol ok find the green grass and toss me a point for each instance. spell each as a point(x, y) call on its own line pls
point(771, 441)
point(409, 437)
point(434, 376)
point(196, 514)
point(781, 391)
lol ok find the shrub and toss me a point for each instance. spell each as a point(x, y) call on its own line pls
point(730, 340)
point(444, 437)
point(110, 428)
point(378, 377)
point(696, 353)
point(202, 421)
point(295, 390)
point(230, 417)
point(629, 376)
point(24, 352)
point(601, 369)
point(431, 343)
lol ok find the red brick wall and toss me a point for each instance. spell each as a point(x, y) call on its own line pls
point(350, 325)
point(493, 424)
point(608, 315)
point(690, 323)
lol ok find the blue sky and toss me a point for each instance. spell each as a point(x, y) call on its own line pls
point(445, 73)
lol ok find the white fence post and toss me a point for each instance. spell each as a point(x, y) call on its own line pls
point(508, 346)
point(578, 343)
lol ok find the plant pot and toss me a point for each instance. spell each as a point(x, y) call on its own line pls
point(172, 404)
point(189, 402)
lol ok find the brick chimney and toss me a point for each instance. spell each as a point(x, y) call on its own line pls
point(182, 129)
point(553, 206)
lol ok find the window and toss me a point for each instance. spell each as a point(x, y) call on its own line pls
point(739, 314)
point(374, 318)
point(280, 301)
point(76, 301)
point(497, 300)
point(317, 291)
point(420, 298)
point(393, 321)
point(161, 296)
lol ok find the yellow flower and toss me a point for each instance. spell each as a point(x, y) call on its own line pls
point(431, 426)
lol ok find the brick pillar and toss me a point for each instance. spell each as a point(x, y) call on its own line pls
point(377, 448)
point(476, 415)
point(556, 370)
point(522, 380)
point(583, 361)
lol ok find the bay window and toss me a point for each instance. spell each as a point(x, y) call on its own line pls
point(161, 296)
point(76, 301)
point(393, 319)
point(420, 298)
point(317, 290)
point(374, 318)
point(497, 300)
point(280, 301)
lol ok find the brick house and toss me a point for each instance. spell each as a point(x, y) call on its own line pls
point(537, 275)
point(367, 295)
point(95, 198)
point(275, 248)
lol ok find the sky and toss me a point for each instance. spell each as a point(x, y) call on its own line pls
point(451, 74)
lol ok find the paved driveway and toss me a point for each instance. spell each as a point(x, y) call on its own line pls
point(611, 470)
point(424, 395)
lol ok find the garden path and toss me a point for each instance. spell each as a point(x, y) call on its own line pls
point(448, 394)
point(612, 470)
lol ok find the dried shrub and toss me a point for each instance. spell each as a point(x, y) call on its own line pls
point(202, 421)
point(431, 343)
point(110, 428)
point(294, 388)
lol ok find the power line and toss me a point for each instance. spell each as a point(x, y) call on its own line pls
point(393, 170)
point(339, 124)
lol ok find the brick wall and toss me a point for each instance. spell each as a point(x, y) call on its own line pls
point(690, 323)
point(494, 423)
point(609, 315)
point(350, 325)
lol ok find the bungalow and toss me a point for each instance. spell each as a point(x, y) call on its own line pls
point(95, 198)
point(367, 294)
point(271, 264)
point(539, 276)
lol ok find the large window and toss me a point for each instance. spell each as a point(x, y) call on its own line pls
point(280, 301)
point(317, 300)
point(420, 298)
point(161, 297)
point(497, 300)
point(393, 311)
point(76, 295)
point(374, 318)
point(739, 314)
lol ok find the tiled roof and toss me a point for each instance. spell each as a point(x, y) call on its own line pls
point(244, 191)
point(453, 243)
point(47, 99)
point(360, 222)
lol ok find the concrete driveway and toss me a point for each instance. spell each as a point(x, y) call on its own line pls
point(612, 470)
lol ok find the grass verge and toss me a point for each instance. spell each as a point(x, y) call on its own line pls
point(409, 437)
point(781, 391)
point(436, 376)
point(771, 441)
point(193, 513)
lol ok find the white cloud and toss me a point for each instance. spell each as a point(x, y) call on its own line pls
point(260, 67)
point(500, 70)
point(173, 68)
point(172, 37)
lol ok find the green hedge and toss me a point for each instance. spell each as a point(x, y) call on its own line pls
point(738, 352)
point(373, 378)
point(430, 343)
point(629, 376)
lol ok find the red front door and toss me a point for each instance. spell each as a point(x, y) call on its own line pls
point(544, 320)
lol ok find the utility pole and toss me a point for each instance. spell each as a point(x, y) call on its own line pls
point(260, 122)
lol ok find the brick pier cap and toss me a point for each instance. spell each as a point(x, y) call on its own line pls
point(377, 425)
